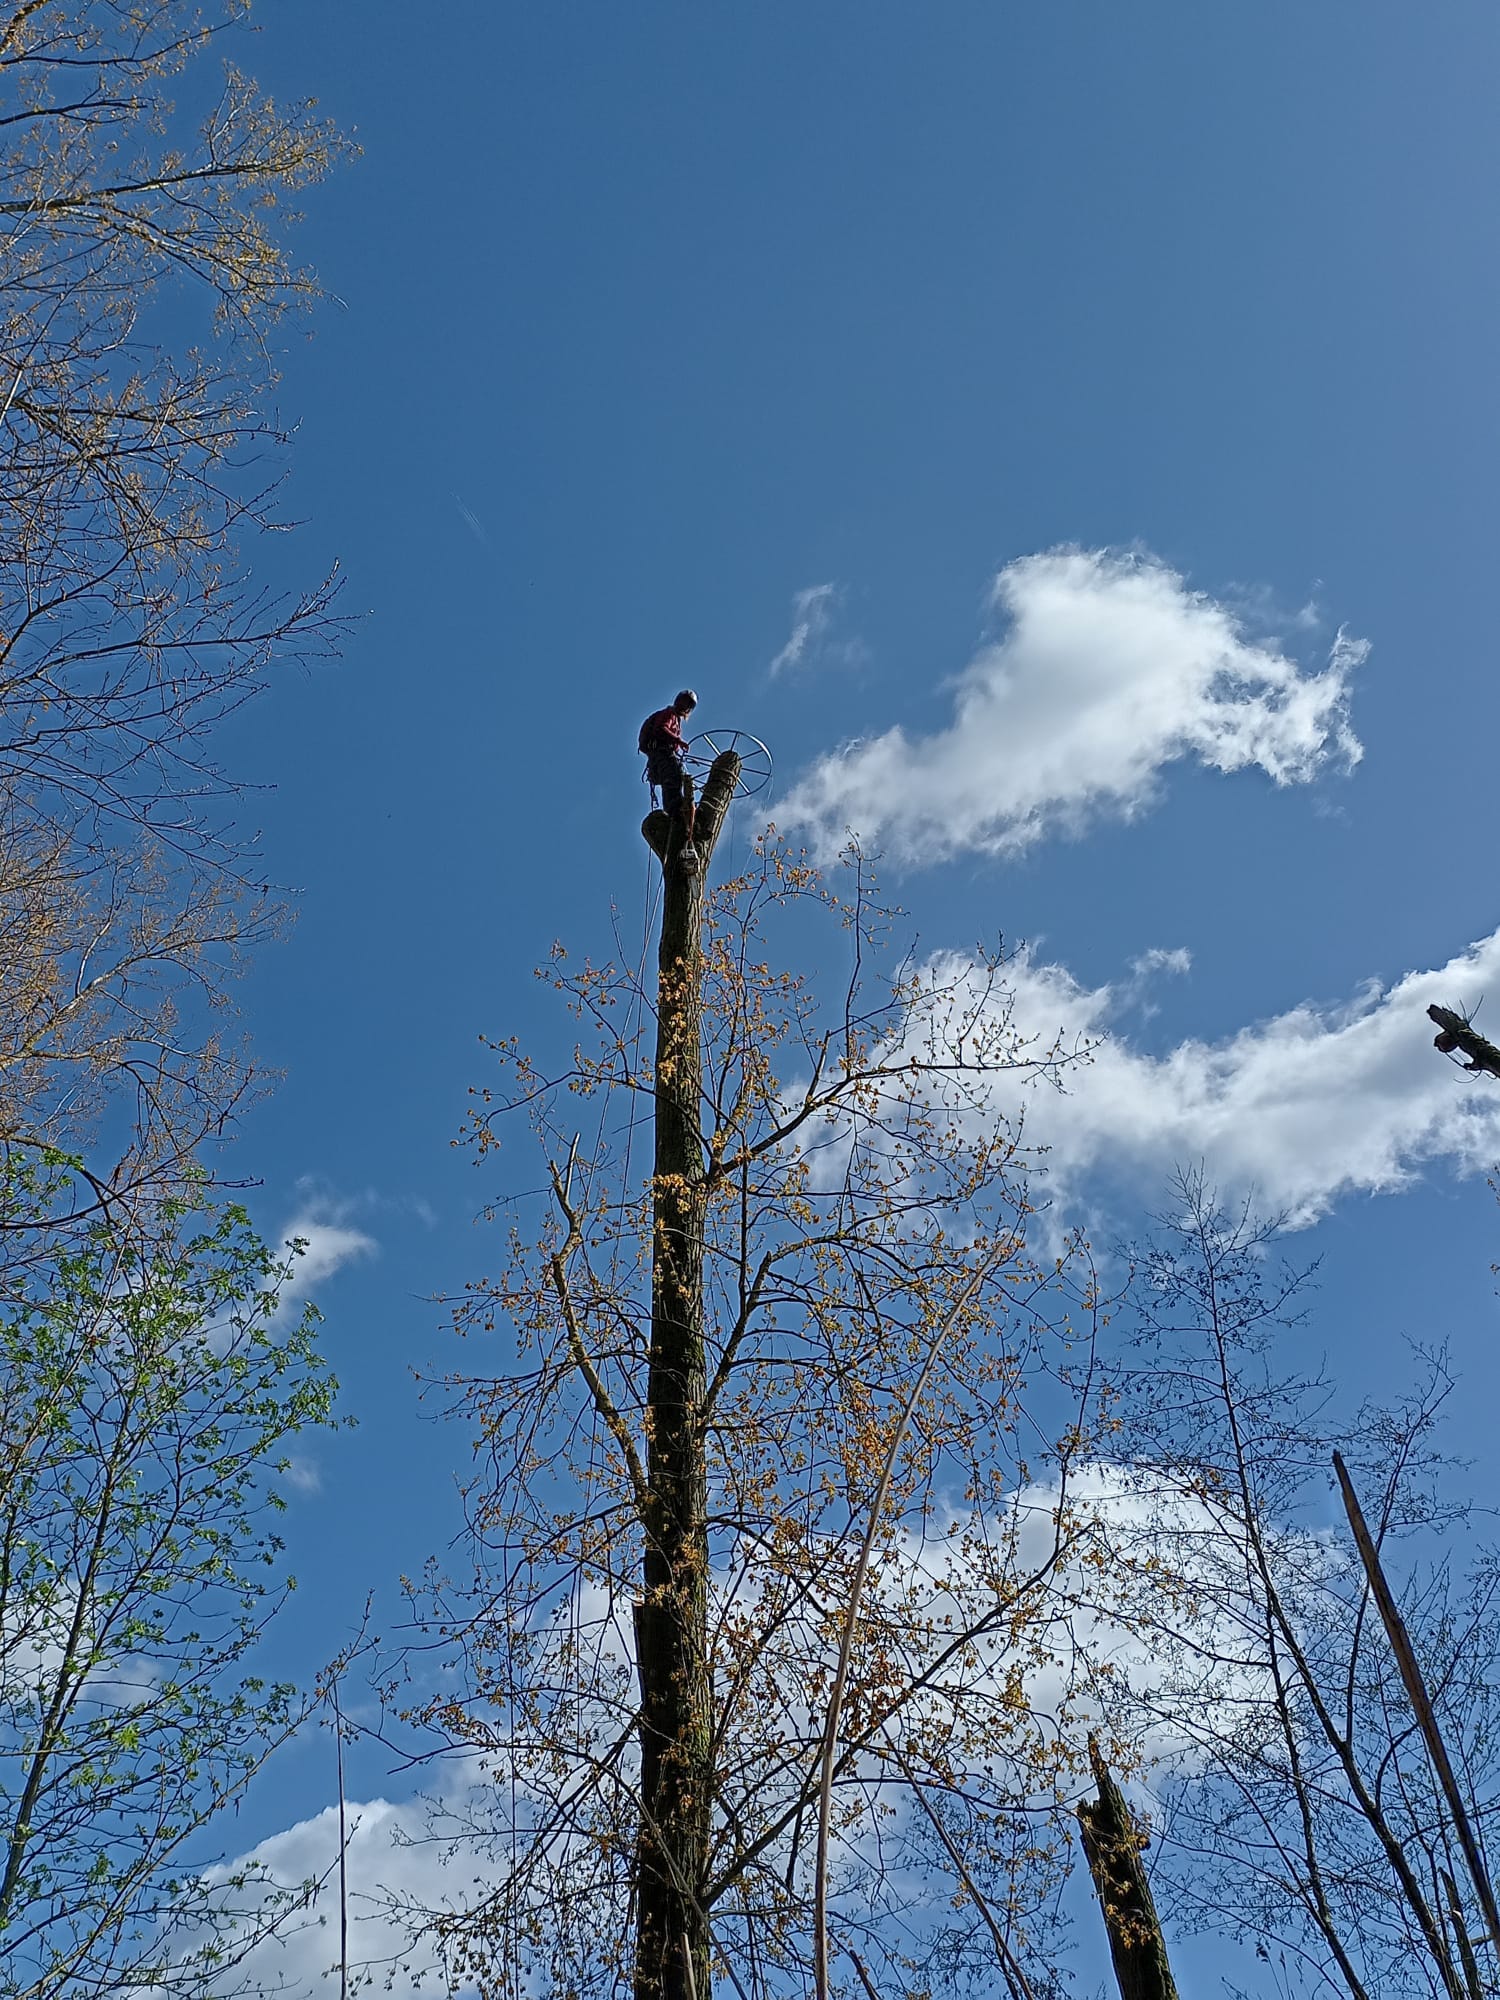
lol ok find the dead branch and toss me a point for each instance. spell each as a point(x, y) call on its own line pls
point(1457, 1033)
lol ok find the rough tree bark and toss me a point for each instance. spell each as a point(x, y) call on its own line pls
point(1113, 1846)
point(671, 1619)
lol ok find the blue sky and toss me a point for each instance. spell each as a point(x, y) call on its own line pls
point(664, 332)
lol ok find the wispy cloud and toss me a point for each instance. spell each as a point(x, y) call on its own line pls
point(1176, 961)
point(1147, 970)
point(813, 614)
point(321, 1237)
point(317, 1248)
point(1110, 669)
point(1315, 1104)
point(475, 525)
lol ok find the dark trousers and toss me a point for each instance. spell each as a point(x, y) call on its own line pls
point(665, 772)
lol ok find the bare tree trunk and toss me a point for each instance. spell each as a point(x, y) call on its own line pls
point(672, 1850)
point(1421, 1701)
point(1113, 1846)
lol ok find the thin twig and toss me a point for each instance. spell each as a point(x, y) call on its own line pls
point(338, 1740)
point(846, 1642)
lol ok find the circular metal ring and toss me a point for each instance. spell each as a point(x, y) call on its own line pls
point(755, 758)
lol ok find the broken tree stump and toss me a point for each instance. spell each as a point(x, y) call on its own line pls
point(1113, 1845)
point(1457, 1033)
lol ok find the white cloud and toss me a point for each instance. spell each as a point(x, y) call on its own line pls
point(1146, 969)
point(1177, 961)
point(392, 1868)
point(322, 1247)
point(812, 617)
point(1090, 1643)
point(1176, 1626)
point(1310, 1105)
point(1110, 670)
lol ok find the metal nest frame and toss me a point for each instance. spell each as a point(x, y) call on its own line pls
point(756, 763)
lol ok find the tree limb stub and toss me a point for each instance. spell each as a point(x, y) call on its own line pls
point(666, 836)
point(1458, 1034)
point(1114, 1846)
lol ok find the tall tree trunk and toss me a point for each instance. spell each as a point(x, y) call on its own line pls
point(1421, 1701)
point(1113, 1846)
point(672, 1846)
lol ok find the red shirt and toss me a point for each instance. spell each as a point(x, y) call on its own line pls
point(663, 731)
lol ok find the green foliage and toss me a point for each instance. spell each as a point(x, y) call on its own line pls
point(149, 1390)
point(148, 1387)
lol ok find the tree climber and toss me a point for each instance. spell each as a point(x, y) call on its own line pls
point(661, 744)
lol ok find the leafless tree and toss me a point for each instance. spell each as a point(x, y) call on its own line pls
point(1299, 1807)
point(143, 280)
point(774, 1540)
point(146, 1385)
